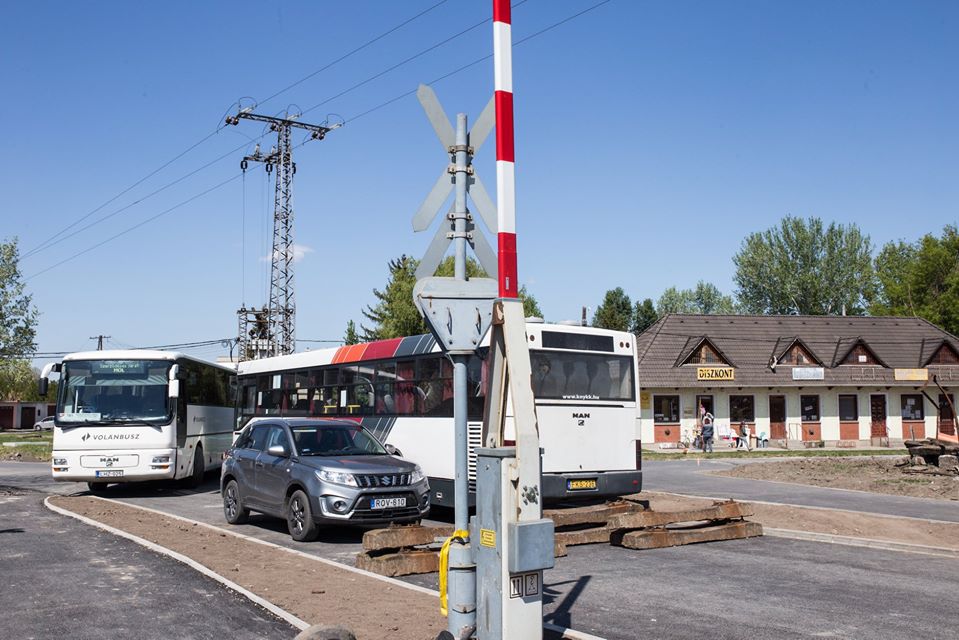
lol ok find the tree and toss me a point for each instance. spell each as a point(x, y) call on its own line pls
point(530, 305)
point(616, 311)
point(644, 316)
point(18, 382)
point(18, 316)
point(800, 267)
point(351, 337)
point(705, 299)
point(920, 279)
point(395, 315)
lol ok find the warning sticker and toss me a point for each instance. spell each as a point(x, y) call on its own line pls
point(487, 537)
point(531, 586)
point(516, 587)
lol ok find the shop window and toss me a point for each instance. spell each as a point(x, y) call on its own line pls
point(810, 408)
point(665, 409)
point(912, 407)
point(848, 408)
point(742, 409)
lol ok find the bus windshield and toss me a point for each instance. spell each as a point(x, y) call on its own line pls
point(114, 391)
point(567, 375)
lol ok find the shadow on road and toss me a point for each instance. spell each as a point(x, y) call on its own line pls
point(561, 615)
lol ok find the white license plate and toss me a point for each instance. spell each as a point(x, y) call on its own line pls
point(387, 503)
point(112, 473)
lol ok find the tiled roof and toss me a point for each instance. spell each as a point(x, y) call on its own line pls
point(752, 343)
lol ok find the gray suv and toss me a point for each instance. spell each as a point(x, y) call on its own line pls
point(316, 472)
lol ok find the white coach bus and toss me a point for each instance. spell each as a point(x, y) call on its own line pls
point(401, 390)
point(134, 415)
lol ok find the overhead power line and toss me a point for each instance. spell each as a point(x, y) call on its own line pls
point(360, 115)
point(136, 226)
point(53, 239)
point(478, 60)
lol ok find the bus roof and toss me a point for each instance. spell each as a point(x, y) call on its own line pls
point(411, 346)
point(139, 354)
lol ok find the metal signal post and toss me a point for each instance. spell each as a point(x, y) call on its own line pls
point(281, 310)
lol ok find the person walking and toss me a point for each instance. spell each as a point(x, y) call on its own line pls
point(743, 436)
point(708, 433)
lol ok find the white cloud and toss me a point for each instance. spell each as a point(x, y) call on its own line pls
point(299, 252)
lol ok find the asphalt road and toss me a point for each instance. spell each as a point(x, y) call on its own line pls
point(693, 477)
point(64, 579)
point(760, 588)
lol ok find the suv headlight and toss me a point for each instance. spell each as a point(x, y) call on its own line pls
point(337, 477)
point(417, 475)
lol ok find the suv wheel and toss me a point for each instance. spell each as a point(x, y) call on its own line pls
point(299, 518)
point(232, 507)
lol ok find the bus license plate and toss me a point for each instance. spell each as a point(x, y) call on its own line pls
point(112, 473)
point(387, 503)
point(581, 485)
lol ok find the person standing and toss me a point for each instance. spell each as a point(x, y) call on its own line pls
point(708, 433)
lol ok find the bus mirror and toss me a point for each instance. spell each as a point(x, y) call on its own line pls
point(174, 372)
point(44, 385)
point(174, 389)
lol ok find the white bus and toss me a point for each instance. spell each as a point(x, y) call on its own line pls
point(401, 390)
point(134, 415)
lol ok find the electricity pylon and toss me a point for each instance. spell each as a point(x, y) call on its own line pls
point(281, 310)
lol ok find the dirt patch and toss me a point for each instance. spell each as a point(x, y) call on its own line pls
point(840, 523)
point(311, 590)
point(878, 475)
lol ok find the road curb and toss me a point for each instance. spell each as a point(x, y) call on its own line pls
point(571, 634)
point(905, 547)
point(269, 606)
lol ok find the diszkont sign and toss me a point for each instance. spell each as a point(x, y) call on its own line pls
point(715, 373)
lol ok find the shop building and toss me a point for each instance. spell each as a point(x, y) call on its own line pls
point(839, 380)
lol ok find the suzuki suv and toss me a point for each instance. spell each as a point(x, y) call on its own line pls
point(318, 472)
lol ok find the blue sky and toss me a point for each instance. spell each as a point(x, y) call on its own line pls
point(650, 139)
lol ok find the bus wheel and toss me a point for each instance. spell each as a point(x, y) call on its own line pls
point(299, 518)
point(196, 479)
point(233, 509)
point(97, 488)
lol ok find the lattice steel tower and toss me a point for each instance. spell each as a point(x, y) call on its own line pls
point(281, 311)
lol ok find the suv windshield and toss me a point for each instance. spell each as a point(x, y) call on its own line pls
point(114, 391)
point(335, 440)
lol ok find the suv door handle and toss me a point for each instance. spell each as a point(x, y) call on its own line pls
point(258, 464)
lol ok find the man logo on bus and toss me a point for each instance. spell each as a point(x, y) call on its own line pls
point(580, 419)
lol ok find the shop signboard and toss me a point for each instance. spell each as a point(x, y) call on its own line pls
point(715, 373)
point(809, 373)
point(918, 375)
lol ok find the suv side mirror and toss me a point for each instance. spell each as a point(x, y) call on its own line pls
point(279, 451)
point(393, 451)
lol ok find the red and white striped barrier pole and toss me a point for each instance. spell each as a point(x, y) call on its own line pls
point(505, 191)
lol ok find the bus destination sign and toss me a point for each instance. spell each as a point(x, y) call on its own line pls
point(117, 367)
point(715, 373)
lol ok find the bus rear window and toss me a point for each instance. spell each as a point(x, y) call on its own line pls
point(582, 376)
point(577, 341)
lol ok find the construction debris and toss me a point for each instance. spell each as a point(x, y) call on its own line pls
point(414, 549)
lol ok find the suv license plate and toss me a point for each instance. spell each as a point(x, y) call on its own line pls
point(112, 473)
point(387, 503)
point(581, 485)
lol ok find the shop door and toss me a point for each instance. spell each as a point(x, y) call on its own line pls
point(28, 415)
point(706, 402)
point(6, 418)
point(947, 424)
point(877, 405)
point(777, 417)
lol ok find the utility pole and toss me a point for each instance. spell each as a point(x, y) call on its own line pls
point(281, 310)
point(100, 340)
